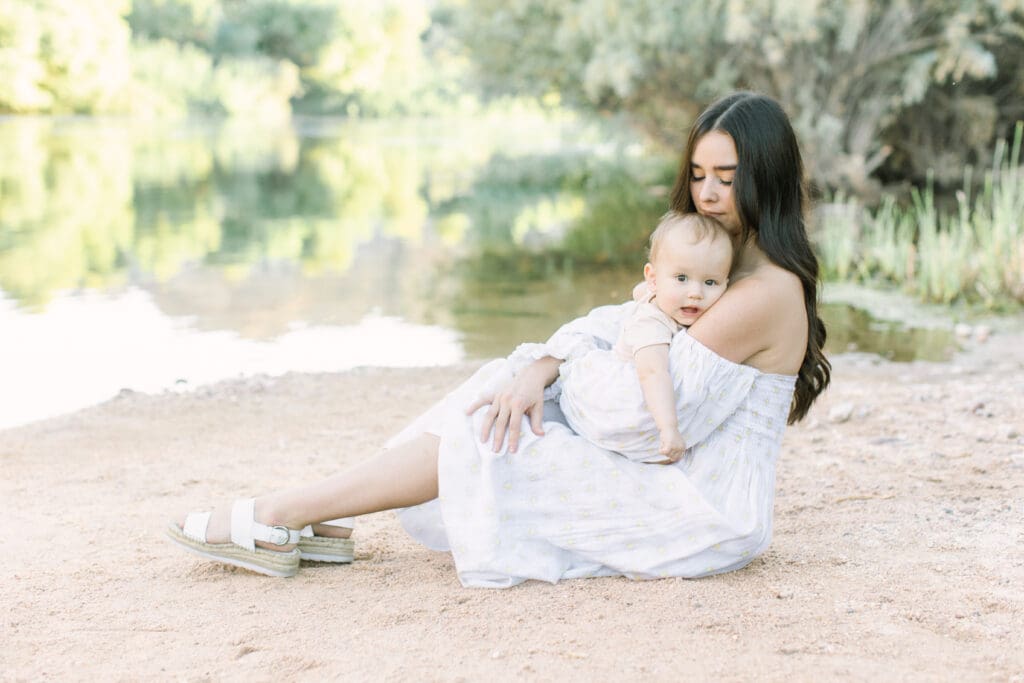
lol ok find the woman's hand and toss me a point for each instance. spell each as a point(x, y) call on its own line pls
point(523, 396)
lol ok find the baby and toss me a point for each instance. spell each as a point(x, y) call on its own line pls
point(604, 392)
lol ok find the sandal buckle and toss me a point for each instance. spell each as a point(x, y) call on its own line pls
point(278, 535)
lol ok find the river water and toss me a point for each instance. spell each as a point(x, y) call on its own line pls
point(159, 258)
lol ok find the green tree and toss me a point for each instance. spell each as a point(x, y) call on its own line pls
point(851, 73)
point(63, 56)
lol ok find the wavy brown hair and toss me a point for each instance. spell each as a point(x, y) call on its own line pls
point(771, 196)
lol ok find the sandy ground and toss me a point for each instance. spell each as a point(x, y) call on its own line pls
point(898, 553)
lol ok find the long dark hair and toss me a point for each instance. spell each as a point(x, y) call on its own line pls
point(770, 199)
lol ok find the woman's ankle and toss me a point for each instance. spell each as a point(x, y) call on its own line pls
point(270, 512)
point(332, 531)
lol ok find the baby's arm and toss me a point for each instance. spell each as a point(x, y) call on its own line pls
point(656, 384)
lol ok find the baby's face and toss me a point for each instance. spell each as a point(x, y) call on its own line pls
point(688, 278)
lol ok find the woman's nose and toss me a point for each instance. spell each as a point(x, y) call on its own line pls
point(707, 190)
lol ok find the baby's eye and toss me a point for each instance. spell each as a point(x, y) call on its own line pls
point(681, 278)
point(711, 283)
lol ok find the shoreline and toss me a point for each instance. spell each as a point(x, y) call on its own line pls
point(895, 553)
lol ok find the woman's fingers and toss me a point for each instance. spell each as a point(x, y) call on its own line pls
point(488, 422)
point(515, 424)
point(537, 419)
point(500, 425)
point(487, 399)
point(504, 418)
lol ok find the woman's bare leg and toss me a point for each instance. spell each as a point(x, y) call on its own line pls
point(400, 477)
point(396, 478)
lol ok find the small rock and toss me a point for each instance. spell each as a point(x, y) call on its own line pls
point(497, 654)
point(962, 330)
point(1010, 433)
point(1017, 459)
point(841, 413)
point(980, 410)
point(982, 333)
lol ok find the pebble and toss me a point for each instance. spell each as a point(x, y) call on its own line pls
point(980, 333)
point(980, 410)
point(841, 413)
point(1010, 433)
point(1017, 459)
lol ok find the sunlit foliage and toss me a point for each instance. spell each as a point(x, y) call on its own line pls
point(873, 87)
point(171, 58)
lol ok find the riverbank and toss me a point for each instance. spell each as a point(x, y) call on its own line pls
point(896, 553)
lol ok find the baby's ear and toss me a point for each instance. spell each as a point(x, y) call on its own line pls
point(649, 276)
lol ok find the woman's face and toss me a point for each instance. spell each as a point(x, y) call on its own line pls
point(712, 171)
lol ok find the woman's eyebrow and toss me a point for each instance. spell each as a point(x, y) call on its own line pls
point(727, 167)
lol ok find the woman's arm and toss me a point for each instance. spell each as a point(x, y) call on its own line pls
point(535, 366)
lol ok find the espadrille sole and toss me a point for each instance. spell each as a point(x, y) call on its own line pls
point(266, 562)
point(326, 549)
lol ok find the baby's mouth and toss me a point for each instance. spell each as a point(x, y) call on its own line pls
point(690, 310)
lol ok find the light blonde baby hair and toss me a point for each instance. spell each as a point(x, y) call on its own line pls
point(704, 227)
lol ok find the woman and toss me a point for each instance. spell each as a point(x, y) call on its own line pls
point(492, 474)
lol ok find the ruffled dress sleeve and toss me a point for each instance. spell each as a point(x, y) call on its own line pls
point(596, 330)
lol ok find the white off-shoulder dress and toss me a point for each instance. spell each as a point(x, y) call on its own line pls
point(562, 507)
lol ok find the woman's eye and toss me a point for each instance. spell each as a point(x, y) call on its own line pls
point(726, 182)
point(696, 179)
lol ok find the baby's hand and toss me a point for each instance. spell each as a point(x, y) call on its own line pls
point(672, 445)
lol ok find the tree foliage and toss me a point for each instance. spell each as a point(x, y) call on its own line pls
point(176, 57)
point(872, 87)
point(63, 56)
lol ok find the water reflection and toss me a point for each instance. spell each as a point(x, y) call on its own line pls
point(134, 256)
point(98, 203)
point(852, 329)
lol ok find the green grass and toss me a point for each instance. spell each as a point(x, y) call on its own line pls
point(973, 252)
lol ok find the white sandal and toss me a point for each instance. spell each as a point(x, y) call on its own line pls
point(242, 550)
point(313, 548)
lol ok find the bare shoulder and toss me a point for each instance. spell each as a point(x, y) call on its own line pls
point(761, 321)
point(777, 282)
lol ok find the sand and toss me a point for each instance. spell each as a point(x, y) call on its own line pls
point(898, 550)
